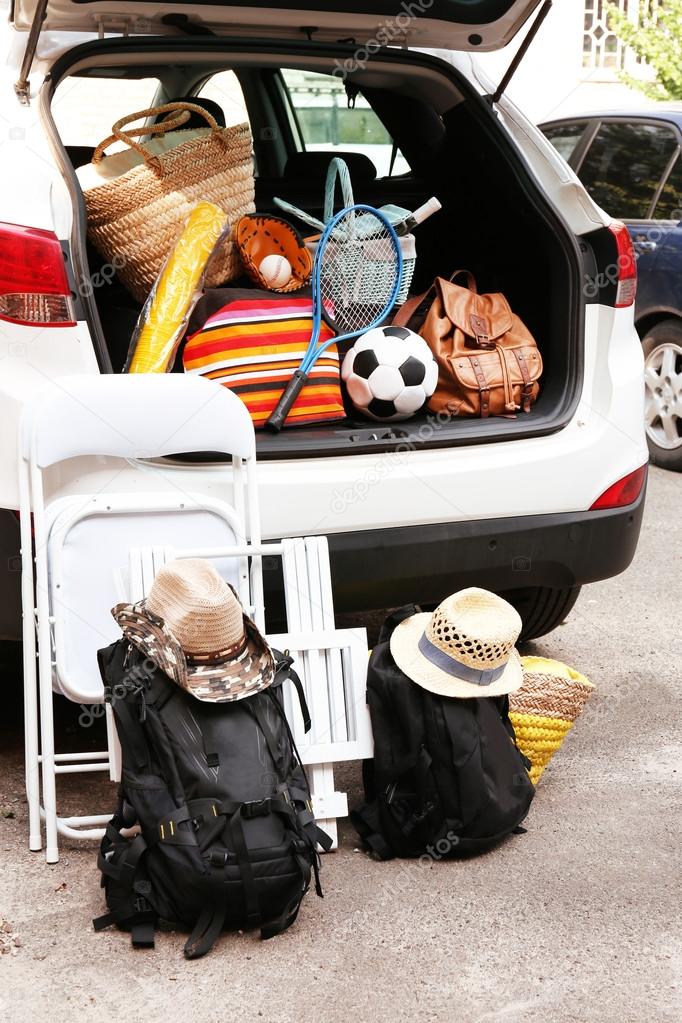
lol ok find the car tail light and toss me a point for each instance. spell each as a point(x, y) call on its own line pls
point(34, 288)
point(624, 492)
point(627, 265)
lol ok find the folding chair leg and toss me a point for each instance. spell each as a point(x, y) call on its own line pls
point(28, 626)
point(49, 777)
point(31, 748)
point(113, 746)
point(327, 803)
point(47, 752)
point(32, 766)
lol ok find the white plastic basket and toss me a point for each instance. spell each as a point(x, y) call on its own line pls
point(408, 248)
point(338, 172)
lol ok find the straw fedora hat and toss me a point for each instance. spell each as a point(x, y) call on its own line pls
point(464, 649)
point(193, 627)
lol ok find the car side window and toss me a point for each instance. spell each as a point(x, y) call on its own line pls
point(669, 205)
point(84, 122)
point(565, 137)
point(623, 167)
point(224, 89)
point(327, 123)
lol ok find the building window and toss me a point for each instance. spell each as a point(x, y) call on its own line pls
point(601, 46)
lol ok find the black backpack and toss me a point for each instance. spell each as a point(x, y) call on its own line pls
point(227, 839)
point(447, 778)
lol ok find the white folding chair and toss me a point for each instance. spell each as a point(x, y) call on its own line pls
point(333, 668)
point(81, 543)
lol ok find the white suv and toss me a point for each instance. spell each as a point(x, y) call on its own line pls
point(531, 506)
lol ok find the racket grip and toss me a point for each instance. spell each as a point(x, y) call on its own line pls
point(291, 392)
point(430, 207)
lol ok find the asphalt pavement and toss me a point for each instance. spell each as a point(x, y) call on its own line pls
point(577, 920)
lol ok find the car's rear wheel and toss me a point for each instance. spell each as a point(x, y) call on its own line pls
point(542, 608)
point(663, 393)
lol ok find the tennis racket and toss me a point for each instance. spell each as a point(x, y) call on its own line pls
point(356, 279)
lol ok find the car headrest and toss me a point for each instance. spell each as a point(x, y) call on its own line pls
point(196, 120)
point(313, 166)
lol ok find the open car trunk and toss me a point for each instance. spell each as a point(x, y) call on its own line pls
point(495, 220)
point(457, 24)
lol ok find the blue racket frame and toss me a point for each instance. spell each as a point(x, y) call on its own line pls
point(315, 350)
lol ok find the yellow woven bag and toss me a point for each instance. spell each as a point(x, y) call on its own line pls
point(545, 708)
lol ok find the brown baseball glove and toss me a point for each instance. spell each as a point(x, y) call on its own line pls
point(258, 235)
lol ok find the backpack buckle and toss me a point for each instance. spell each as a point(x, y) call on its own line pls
point(481, 330)
point(255, 808)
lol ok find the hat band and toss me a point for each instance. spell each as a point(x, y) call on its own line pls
point(219, 656)
point(451, 666)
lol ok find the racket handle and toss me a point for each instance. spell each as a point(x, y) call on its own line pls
point(291, 392)
point(418, 217)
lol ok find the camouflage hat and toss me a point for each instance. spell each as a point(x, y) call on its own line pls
point(193, 627)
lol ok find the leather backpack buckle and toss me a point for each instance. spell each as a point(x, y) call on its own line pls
point(480, 328)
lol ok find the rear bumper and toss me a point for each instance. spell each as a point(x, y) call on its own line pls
point(422, 564)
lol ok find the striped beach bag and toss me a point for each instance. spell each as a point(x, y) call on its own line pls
point(253, 341)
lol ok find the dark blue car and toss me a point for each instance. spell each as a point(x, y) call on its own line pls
point(631, 163)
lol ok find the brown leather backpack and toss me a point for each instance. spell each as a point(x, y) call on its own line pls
point(488, 361)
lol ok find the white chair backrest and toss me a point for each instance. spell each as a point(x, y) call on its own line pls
point(89, 553)
point(134, 416)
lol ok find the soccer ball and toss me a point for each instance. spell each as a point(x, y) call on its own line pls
point(390, 373)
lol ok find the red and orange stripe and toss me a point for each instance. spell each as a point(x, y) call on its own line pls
point(254, 346)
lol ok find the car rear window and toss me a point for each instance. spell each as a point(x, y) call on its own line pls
point(329, 121)
point(624, 166)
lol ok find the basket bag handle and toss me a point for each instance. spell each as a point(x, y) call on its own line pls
point(182, 112)
point(337, 171)
point(337, 168)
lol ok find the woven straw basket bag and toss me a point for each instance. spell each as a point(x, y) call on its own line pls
point(545, 708)
point(135, 218)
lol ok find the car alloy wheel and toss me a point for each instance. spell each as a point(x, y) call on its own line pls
point(663, 399)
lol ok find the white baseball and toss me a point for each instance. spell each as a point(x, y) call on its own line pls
point(275, 270)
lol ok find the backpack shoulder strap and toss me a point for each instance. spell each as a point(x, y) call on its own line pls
point(206, 931)
point(112, 662)
point(283, 672)
point(414, 310)
point(118, 861)
point(462, 747)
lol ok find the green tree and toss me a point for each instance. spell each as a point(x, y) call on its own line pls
point(658, 41)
